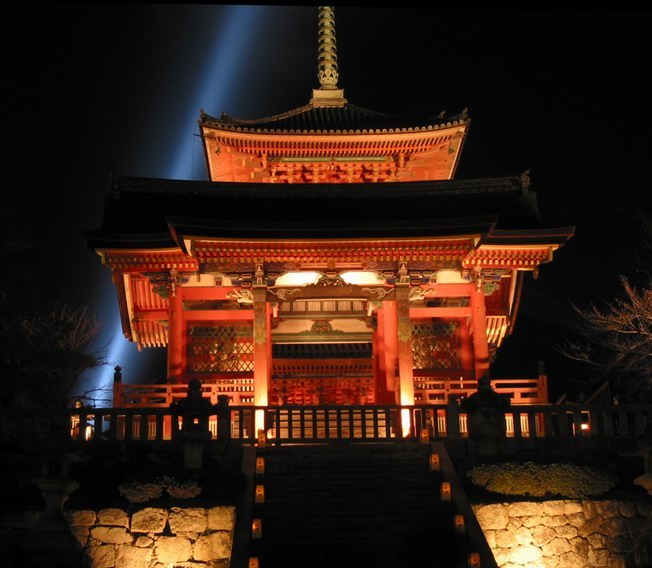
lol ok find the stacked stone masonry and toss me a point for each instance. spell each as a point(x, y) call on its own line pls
point(156, 537)
point(564, 534)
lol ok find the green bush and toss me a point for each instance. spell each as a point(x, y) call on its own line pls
point(530, 479)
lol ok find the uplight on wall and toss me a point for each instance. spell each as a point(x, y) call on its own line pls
point(253, 563)
point(434, 462)
point(257, 528)
point(260, 465)
point(445, 491)
point(424, 436)
point(474, 560)
point(259, 494)
point(406, 422)
point(458, 523)
point(259, 416)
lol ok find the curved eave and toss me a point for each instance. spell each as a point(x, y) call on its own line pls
point(548, 236)
point(182, 228)
point(102, 240)
point(349, 113)
point(301, 133)
point(156, 188)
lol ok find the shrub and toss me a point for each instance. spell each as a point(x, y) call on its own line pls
point(140, 492)
point(178, 489)
point(540, 480)
point(143, 491)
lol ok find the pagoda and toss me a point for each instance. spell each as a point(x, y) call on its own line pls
point(330, 259)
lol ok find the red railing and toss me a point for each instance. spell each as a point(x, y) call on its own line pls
point(428, 390)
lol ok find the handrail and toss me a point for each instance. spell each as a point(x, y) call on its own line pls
point(428, 390)
point(283, 424)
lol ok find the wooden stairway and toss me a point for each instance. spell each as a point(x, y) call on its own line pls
point(354, 505)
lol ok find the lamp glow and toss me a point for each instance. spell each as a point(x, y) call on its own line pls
point(260, 466)
point(262, 439)
point(445, 491)
point(458, 522)
point(434, 463)
point(474, 560)
point(259, 417)
point(259, 495)
point(406, 422)
point(257, 528)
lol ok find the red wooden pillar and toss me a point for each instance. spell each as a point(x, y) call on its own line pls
point(479, 323)
point(262, 346)
point(466, 341)
point(404, 345)
point(389, 346)
point(176, 356)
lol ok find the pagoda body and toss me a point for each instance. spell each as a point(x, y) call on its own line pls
point(331, 258)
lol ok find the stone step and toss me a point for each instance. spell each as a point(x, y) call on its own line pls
point(357, 506)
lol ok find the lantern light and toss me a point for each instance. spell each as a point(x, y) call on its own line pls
point(257, 528)
point(458, 522)
point(474, 560)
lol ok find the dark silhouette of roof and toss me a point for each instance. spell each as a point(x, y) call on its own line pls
point(345, 119)
point(149, 212)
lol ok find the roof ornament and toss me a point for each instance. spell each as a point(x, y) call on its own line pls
point(328, 94)
point(328, 74)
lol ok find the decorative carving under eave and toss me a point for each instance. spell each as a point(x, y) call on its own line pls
point(490, 279)
point(284, 293)
point(165, 284)
point(321, 326)
point(259, 275)
point(161, 290)
point(403, 276)
point(418, 294)
point(329, 280)
point(489, 287)
point(242, 296)
point(379, 293)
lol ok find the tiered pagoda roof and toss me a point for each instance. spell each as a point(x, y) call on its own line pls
point(345, 119)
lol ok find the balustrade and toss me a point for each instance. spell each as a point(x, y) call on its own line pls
point(323, 423)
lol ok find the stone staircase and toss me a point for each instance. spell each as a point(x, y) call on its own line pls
point(354, 505)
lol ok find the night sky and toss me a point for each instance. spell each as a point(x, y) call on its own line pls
point(95, 89)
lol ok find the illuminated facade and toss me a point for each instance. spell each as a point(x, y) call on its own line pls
point(331, 258)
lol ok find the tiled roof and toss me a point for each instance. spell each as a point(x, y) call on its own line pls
point(144, 209)
point(347, 119)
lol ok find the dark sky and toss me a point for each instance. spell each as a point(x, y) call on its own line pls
point(94, 89)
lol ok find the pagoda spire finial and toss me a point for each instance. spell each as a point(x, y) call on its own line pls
point(327, 58)
point(328, 94)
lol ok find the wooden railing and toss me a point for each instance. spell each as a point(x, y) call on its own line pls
point(438, 390)
point(322, 424)
point(428, 391)
point(239, 390)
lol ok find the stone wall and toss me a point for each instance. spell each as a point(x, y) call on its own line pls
point(156, 537)
point(564, 534)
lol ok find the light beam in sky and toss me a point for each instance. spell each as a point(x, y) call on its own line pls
point(216, 87)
